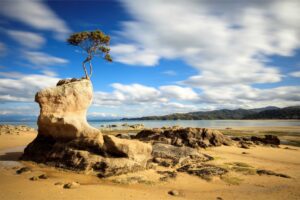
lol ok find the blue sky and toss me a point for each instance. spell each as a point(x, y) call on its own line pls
point(169, 56)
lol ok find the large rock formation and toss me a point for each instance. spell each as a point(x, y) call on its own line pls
point(191, 137)
point(65, 139)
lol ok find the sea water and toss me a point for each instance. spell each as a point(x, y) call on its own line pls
point(183, 123)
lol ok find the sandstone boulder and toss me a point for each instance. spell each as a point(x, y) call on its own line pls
point(63, 110)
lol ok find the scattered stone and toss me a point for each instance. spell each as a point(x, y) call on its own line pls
point(245, 152)
point(247, 142)
point(289, 148)
point(167, 175)
point(168, 155)
point(271, 173)
point(219, 198)
point(136, 179)
point(14, 129)
point(204, 171)
point(23, 170)
point(34, 178)
point(71, 185)
point(43, 176)
point(123, 136)
point(174, 193)
point(67, 81)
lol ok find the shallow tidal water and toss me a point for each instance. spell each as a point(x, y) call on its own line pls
point(185, 123)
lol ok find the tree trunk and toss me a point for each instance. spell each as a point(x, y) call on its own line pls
point(88, 59)
point(91, 69)
point(84, 68)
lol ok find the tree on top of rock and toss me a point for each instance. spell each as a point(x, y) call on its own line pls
point(94, 43)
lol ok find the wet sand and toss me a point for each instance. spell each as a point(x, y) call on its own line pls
point(237, 186)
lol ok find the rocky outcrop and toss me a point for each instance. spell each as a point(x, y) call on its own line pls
point(267, 140)
point(66, 140)
point(169, 156)
point(191, 137)
point(63, 111)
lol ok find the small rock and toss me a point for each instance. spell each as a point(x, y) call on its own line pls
point(219, 198)
point(43, 176)
point(245, 152)
point(23, 170)
point(71, 185)
point(34, 178)
point(271, 173)
point(58, 183)
point(173, 193)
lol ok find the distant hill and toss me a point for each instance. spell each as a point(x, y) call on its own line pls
point(283, 113)
point(270, 112)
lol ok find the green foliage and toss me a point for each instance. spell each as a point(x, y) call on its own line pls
point(94, 43)
point(263, 113)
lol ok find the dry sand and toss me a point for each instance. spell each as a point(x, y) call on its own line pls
point(236, 186)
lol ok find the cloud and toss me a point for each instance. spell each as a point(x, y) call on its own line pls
point(170, 73)
point(132, 55)
point(36, 14)
point(30, 109)
point(225, 41)
point(177, 92)
point(295, 74)
point(41, 59)
point(27, 39)
point(2, 49)
point(242, 96)
point(140, 100)
point(17, 87)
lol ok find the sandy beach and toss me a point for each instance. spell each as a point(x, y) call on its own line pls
point(146, 184)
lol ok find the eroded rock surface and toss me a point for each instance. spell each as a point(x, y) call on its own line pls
point(65, 139)
point(191, 137)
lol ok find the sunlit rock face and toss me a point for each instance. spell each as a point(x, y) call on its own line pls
point(66, 140)
point(63, 110)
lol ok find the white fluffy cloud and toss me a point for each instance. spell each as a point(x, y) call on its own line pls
point(226, 41)
point(295, 74)
point(19, 87)
point(27, 39)
point(36, 14)
point(139, 100)
point(177, 92)
point(40, 59)
point(132, 55)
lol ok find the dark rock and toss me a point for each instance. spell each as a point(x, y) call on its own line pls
point(23, 170)
point(43, 176)
point(204, 171)
point(167, 175)
point(267, 140)
point(191, 137)
point(34, 178)
point(66, 81)
point(174, 193)
point(71, 185)
point(123, 136)
point(169, 155)
point(271, 173)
